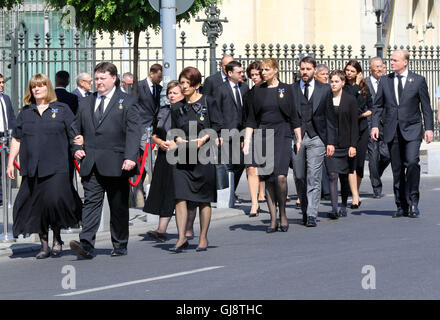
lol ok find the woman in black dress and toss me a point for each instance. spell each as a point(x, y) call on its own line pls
point(272, 109)
point(256, 187)
point(357, 86)
point(160, 199)
point(46, 197)
point(193, 181)
point(338, 164)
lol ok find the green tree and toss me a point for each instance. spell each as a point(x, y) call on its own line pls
point(121, 16)
point(8, 4)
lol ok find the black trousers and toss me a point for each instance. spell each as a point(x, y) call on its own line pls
point(117, 189)
point(405, 158)
point(378, 161)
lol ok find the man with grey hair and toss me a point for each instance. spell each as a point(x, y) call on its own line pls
point(127, 82)
point(84, 85)
point(321, 73)
point(378, 153)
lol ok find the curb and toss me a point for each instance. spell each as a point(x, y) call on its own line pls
point(17, 248)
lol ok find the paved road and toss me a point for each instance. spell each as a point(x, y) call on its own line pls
point(243, 262)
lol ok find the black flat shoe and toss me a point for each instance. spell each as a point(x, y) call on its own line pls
point(43, 254)
point(342, 212)
point(284, 228)
point(272, 230)
point(179, 249)
point(157, 235)
point(119, 252)
point(81, 249)
point(199, 249)
point(333, 215)
point(56, 253)
point(254, 214)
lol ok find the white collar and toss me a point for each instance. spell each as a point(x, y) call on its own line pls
point(109, 95)
point(404, 74)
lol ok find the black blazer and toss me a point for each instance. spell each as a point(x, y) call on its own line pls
point(348, 131)
point(364, 103)
point(323, 119)
point(44, 141)
point(113, 140)
point(286, 103)
point(12, 120)
point(148, 106)
point(408, 114)
point(68, 98)
point(233, 116)
point(212, 83)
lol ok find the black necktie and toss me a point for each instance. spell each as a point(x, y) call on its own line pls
point(237, 97)
point(154, 91)
point(306, 90)
point(5, 124)
point(399, 87)
point(100, 111)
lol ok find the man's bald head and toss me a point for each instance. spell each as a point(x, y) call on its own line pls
point(225, 60)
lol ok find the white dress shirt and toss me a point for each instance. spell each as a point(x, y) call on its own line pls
point(375, 83)
point(311, 87)
point(233, 91)
point(106, 101)
point(83, 93)
point(396, 83)
point(3, 106)
point(151, 86)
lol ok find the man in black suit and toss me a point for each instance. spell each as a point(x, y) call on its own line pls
point(402, 97)
point(7, 120)
point(84, 85)
point(212, 83)
point(378, 153)
point(314, 105)
point(108, 122)
point(149, 105)
point(62, 80)
point(229, 97)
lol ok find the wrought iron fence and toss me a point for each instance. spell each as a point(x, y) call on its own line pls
point(24, 58)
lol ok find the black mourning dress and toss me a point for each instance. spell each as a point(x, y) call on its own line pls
point(46, 197)
point(160, 199)
point(195, 182)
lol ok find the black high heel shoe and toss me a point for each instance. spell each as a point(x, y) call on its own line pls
point(255, 214)
point(43, 254)
point(179, 249)
point(356, 206)
point(284, 228)
point(199, 249)
point(272, 230)
point(57, 252)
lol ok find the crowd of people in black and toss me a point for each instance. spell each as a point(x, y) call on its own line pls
point(322, 126)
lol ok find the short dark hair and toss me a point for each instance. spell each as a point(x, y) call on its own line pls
point(308, 59)
point(256, 65)
point(231, 65)
point(1, 76)
point(62, 79)
point(339, 73)
point(192, 74)
point(155, 68)
point(106, 67)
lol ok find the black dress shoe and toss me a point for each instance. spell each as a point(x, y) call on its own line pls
point(56, 253)
point(399, 213)
point(342, 212)
point(43, 254)
point(356, 206)
point(179, 249)
point(333, 215)
point(119, 252)
point(311, 222)
point(414, 212)
point(272, 230)
point(81, 249)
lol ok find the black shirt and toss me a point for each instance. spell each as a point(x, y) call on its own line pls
point(44, 147)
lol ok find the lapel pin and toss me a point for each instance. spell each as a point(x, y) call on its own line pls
point(281, 92)
point(120, 104)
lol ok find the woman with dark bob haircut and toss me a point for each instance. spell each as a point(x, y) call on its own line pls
point(193, 181)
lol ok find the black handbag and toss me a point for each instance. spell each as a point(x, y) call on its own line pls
point(222, 178)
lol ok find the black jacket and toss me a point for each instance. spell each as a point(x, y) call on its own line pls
point(212, 83)
point(233, 116)
point(407, 114)
point(148, 105)
point(9, 112)
point(113, 140)
point(68, 98)
point(323, 118)
point(347, 129)
point(286, 103)
point(44, 147)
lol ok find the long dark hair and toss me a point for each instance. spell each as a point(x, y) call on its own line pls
point(355, 64)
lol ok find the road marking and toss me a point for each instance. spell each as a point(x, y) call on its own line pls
point(124, 284)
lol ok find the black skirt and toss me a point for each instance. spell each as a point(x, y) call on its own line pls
point(339, 162)
point(46, 202)
point(160, 199)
